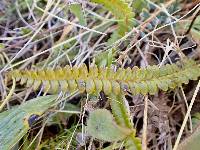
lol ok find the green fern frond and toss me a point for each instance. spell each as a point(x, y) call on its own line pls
point(135, 80)
point(120, 111)
point(121, 11)
point(115, 83)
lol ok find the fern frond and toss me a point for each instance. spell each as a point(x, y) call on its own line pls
point(123, 118)
point(113, 83)
point(121, 11)
point(135, 80)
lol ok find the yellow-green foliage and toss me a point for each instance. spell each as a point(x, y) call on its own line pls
point(101, 125)
point(120, 111)
point(114, 83)
point(135, 80)
point(121, 11)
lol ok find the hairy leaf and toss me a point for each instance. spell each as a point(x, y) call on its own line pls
point(120, 110)
point(101, 125)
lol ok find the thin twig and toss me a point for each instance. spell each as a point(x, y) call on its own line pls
point(9, 95)
point(186, 116)
point(144, 134)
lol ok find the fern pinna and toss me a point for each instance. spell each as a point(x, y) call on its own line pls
point(135, 80)
point(114, 83)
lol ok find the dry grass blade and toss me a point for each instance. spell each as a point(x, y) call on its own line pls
point(186, 116)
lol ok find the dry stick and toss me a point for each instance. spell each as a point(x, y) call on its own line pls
point(45, 51)
point(71, 23)
point(73, 133)
point(185, 99)
point(82, 117)
point(21, 17)
point(144, 24)
point(197, 13)
point(29, 41)
point(186, 116)
point(66, 31)
point(9, 95)
point(40, 135)
point(37, 135)
point(144, 134)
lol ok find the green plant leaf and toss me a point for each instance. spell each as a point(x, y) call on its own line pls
point(138, 5)
point(101, 125)
point(105, 59)
point(14, 123)
point(122, 12)
point(120, 110)
point(76, 9)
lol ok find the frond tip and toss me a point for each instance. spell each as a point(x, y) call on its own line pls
point(135, 80)
point(122, 12)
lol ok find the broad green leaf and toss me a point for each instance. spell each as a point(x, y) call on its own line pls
point(101, 125)
point(14, 122)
